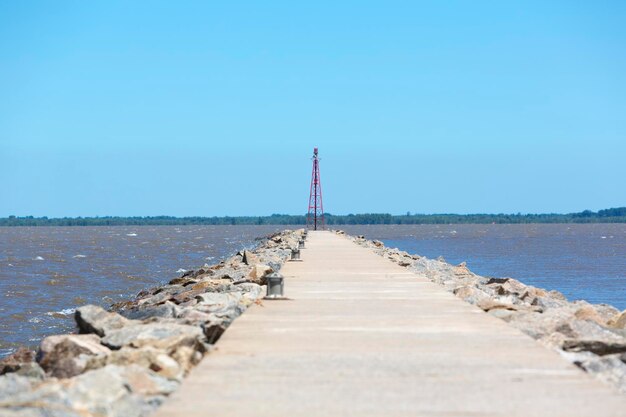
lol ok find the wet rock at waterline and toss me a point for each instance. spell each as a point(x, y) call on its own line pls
point(94, 319)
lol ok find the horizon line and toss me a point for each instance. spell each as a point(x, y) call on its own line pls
point(406, 214)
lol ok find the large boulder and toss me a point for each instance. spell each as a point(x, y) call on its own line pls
point(93, 389)
point(65, 356)
point(400, 259)
point(487, 304)
point(471, 294)
point(549, 301)
point(162, 296)
point(560, 328)
point(610, 369)
point(231, 273)
point(158, 335)
point(589, 330)
point(109, 391)
point(136, 378)
point(214, 328)
point(94, 319)
point(22, 362)
point(462, 272)
point(188, 356)
point(250, 258)
point(187, 295)
point(618, 321)
point(144, 381)
point(12, 384)
point(193, 317)
point(258, 272)
point(599, 347)
point(213, 331)
point(103, 392)
point(147, 357)
point(165, 310)
point(508, 287)
point(588, 312)
point(214, 301)
point(541, 325)
point(607, 312)
point(20, 411)
point(250, 292)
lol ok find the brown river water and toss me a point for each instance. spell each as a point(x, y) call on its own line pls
point(45, 272)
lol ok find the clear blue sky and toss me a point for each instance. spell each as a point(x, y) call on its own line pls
point(200, 108)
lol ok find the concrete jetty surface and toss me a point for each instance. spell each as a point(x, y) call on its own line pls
point(362, 336)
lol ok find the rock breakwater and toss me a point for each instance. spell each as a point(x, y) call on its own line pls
point(591, 336)
point(123, 362)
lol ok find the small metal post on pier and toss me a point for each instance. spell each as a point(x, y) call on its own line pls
point(275, 286)
point(295, 255)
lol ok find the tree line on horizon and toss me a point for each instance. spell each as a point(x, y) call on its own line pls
point(612, 215)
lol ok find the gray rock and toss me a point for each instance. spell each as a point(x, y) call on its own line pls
point(147, 357)
point(144, 381)
point(619, 332)
point(471, 294)
point(232, 274)
point(599, 347)
point(100, 392)
point(590, 330)
point(22, 411)
point(548, 302)
point(493, 280)
point(609, 369)
point(158, 335)
point(186, 296)
point(509, 287)
point(105, 391)
point(618, 320)
point(111, 391)
point(94, 319)
point(249, 258)
point(65, 356)
point(188, 356)
point(194, 317)
point(251, 291)
point(258, 272)
point(587, 312)
point(16, 360)
point(212, 301)
point(214, 330)
point(31, 370)
point(166, 310)
point(496, 304)
point(13, 384)
point(606, 311)
point(164, 295)
point(502, 314)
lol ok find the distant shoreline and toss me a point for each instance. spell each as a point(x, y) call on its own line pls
point(612, 215)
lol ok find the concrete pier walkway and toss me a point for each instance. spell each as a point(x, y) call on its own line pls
point(363, 336)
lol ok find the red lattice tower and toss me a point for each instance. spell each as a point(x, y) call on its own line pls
point(315, 218)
